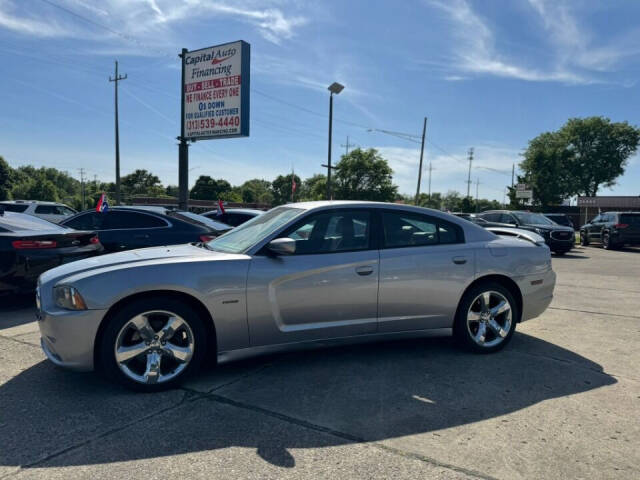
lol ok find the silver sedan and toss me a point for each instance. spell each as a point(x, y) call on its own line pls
point(299, 275)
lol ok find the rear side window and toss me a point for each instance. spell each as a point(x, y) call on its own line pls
point(14, 207)
point(401, 229)
point(235, 219)
point(630, 219)
point(491, 217)
point(131, 220)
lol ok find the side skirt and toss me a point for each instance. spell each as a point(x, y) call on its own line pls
point(242, 353)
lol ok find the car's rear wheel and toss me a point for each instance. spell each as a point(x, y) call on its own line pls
point(486, 318)
point(606, 241)
point(153, 344)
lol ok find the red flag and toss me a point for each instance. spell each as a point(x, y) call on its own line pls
point(220, 208)
point(103, 204)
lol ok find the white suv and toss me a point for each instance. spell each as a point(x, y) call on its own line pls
point(51, 211)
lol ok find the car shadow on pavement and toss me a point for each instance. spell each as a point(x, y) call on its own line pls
point(320, 398)
point(12, 309)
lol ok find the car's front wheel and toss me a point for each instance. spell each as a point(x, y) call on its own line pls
point(486, 318)
point(584, 240)
point(153, 344)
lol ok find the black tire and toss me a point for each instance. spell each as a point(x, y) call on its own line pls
point(607, 244)
point(559, 252)
point(584, 239)
point(107, 342)
point(461, 330)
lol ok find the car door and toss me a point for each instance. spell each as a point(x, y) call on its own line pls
point(424, 267)
point(327, 289)
point(595, 228)
point(125, 230)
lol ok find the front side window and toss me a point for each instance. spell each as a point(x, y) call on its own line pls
point(336, 231)
point(46, 209)
point(403, 229)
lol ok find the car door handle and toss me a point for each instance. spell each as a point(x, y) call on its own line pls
point(459, 260)
point(364, 270)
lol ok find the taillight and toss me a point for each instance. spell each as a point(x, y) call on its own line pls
point(33, 244)
point(621, 225)
point(206, 238)
point(94, 240)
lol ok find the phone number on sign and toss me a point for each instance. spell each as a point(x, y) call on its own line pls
point(213, 123)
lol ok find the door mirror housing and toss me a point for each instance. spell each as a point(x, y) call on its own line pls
point(282, 246)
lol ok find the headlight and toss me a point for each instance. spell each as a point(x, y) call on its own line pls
point(69, 298)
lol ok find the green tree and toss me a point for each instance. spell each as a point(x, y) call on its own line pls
point(281, 189)
point(256, 191)
point(141, 182)
point(5, 179)
point(207, 188)
point(452, 201)
point(314, 188)
point(598, 151)
point(364, 175)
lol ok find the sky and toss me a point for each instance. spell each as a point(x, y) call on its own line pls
point(490, 75)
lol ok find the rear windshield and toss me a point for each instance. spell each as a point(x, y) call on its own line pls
point(201, 220)
point(18, 222)
point(630, 219)
point(14, 207)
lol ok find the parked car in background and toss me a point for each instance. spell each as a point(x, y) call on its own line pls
point(233, 216)
point(559, 238)
point(560, 219)
point(29, 246)
point(126, 228)
point(612, 230)
point(361, 271)
point(50, 211)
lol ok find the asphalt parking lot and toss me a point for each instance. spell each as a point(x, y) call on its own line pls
point(561, 401)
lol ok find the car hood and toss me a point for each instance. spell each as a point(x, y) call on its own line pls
point(548, 227)
point(131, 258)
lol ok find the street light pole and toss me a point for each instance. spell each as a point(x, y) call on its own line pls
point(336, 88)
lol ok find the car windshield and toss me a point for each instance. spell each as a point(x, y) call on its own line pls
point(559, 219)
point(527, 218)
point(258, 228)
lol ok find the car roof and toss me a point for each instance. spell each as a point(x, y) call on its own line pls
point(247, 211)
point(16, 222)
point(472, 231)
point(27, 202)
point(620, 213)
point(143, 208)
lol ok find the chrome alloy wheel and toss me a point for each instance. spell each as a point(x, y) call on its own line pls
point(489, 319)
point(154, 347)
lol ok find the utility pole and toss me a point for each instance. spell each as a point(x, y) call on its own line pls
point(116, 79)
point(347, 145)
point(469, 176)
point(430, 168)
point(477, 185)
point(82, 186)
point(424, 133)
point(183, 148)
point(513, 171)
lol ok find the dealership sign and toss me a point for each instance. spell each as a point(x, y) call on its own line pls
point(216, 92)
point(523, 191)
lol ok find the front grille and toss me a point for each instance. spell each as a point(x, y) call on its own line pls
point(561, 235)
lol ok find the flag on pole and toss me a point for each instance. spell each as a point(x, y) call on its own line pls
point(220, 208)
point(103, 204)
point(294, 185)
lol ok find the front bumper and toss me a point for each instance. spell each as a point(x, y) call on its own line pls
point(560, 245)
point(68, 337)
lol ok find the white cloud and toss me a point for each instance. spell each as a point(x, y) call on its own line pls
point(476, 52)
point(151, 20)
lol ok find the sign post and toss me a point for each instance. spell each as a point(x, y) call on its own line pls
point(214, 100)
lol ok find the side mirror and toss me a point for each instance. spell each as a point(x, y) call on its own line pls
point(282, 246)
